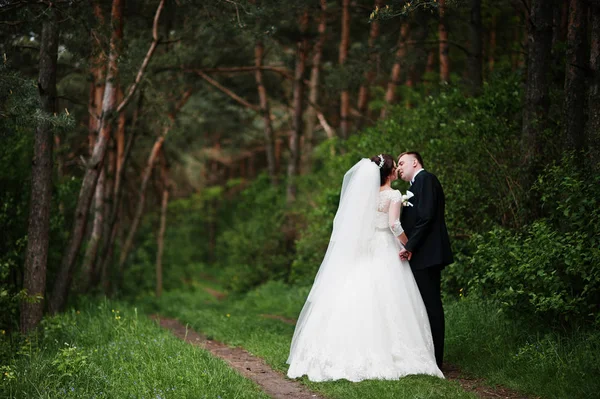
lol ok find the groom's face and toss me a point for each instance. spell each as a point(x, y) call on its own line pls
point(406, 167)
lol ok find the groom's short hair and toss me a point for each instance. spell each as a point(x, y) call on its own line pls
point(414, 154)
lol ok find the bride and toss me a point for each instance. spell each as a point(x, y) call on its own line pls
point(364, 317)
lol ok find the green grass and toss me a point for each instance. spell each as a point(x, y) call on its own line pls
point(109, 350)
point(238, 321)
point(485, 342)
point(481, 340)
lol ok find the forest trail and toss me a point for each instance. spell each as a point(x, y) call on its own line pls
point(272, 382)
point(278, 386)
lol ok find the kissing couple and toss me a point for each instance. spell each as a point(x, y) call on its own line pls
point(375, 308)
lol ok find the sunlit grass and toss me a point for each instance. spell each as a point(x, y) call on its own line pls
point(108, 350)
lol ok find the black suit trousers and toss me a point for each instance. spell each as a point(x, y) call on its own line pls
point(429, 283)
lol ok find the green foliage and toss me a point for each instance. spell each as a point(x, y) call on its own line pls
point(551, 268)
point(253, 246)
point(186, 251)
point(19, 118)
point(486, 341)
point(471, 144)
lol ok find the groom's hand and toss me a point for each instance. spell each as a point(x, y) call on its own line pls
point(404, 254)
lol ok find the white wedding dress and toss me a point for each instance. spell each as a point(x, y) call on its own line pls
point(364, 317)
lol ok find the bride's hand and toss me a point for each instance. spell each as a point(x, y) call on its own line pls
point(404, 254)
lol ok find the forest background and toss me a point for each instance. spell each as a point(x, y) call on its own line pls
point(150, 146)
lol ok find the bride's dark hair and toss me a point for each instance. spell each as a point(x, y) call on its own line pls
point(386, 169)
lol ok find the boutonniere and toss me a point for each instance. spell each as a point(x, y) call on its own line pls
point(406, 197)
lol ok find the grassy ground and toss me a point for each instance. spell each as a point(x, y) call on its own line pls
point(242, 322)
point(482, 341)
point(485, 342)
point(108, 350)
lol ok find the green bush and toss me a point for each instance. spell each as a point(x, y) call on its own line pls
point(254, 244)
point(551, 268)
point(471, 144)
point(186, 248)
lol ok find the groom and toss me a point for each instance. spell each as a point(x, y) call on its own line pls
point(428, 246)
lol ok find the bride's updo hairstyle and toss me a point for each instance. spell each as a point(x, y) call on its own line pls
point(386, 166)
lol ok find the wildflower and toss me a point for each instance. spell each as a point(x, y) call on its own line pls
point(228, 315)
point(3, 332)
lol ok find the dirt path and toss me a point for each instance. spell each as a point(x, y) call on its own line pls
point(276, 385)
point(272, 382)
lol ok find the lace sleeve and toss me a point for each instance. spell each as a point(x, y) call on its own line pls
point(394, 213)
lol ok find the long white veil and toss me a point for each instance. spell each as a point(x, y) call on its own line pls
point(353, 228)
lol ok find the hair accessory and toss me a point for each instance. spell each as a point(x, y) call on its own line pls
point(382, 161)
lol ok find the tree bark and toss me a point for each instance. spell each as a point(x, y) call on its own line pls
point(593, 122)
point(390, 94)
point(537, 100)
point(363, 91)
point(109, 187)
point(94, 167)
point(120, 136)
point(160, 239)
point(343, 54)
point(475, 62)
point(575, 75)
point(156, 148)
point(561, 19)
point(97, 75)
point(313, 94)
point(444, 47)
point(116, 206)
point(88, 186)
point(492, 48)
point(265, 112)
point(298, 104)
point(91, 251)
point(36, 256)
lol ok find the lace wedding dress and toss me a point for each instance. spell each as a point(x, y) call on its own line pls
point(364, 317)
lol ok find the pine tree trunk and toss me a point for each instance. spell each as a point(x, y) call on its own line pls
point(115, 208)
point(390, 94)
point(561, 19)
point(97, 74)
point(430, 61)
point(110, 182)
point(160, 239)
point(475, 62)
point(313, 95)
point(156, 148)
point(343, 54)
point(575, 79)
point(120, 135)
point(298, 105)
point(88, 186)
point(444, 45)
point(593, 122)
point(492, 49)
point(266, 113)
point(94, 166)
point(537, 99)
point(363, 91)
point(36, 255)
point(91, 251)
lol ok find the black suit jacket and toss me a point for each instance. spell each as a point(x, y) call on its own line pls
point(424, 224)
